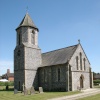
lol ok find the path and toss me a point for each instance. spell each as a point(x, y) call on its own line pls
point(84, 93)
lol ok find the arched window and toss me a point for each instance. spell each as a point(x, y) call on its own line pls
point(84, 64)
point(58, 74)
point(77, 63)
point(19, 39)
point(80, 61)
point(45, 75)
point(32, 38)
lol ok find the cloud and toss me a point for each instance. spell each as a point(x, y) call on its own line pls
point(4, 65)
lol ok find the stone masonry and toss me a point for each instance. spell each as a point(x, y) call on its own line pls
point(66, 69)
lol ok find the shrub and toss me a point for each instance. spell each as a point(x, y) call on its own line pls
point(6, 83)
point(96, 82)
point(2, 83)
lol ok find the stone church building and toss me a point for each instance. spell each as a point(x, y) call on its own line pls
point(65, 69)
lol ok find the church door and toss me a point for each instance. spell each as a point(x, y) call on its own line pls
point(81, 82)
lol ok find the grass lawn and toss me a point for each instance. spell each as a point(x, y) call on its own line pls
point(95, 97)
point(9, 95)
point(97, 86)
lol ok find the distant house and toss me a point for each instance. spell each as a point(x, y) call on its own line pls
point(97, 77)
point(9, 76)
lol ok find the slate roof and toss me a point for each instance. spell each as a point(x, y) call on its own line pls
point(59, 56)
point(27, 21)
point(8, 75)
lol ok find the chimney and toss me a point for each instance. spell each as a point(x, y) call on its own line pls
point(8, 71)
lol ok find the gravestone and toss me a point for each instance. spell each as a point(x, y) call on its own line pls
point(40, 90)
point(23, 87)
point(25, 91)
point(15, 91)
point(32, 90)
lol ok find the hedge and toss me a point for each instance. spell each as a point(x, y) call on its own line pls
point(96, 82)
point(6, 83)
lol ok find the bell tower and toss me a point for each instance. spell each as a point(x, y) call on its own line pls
point(27, 54)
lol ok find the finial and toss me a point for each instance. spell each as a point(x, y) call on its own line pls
point(79, 41)
point(27, 9)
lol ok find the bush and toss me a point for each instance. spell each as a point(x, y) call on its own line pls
point(96, 82)
point(6, 83)
point(2, 83)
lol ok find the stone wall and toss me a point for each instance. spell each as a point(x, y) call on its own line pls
point(32, 58)
point(48, 78)
point(76, 73)
point(19, 74)
point(73, 60)
point(19, 79)
point(76, 80)
point(27, 57)
point(32, 62)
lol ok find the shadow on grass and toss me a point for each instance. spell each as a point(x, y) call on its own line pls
point(7, 90)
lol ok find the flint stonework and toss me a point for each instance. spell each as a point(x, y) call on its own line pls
point(57, 70)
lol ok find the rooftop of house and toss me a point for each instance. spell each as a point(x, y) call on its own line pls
point(97, 76)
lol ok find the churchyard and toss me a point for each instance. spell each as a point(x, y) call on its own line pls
point(13, 94)
point(9, 94)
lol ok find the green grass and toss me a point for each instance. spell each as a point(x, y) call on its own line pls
point(3, 88)
point(94, 97)
point(9, 95)
point(97, 86)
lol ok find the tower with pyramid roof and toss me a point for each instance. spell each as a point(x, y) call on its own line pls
point(27, 54)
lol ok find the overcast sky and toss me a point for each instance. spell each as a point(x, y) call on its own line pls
point(61, 23)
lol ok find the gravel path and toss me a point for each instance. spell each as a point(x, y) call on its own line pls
point(84, 93)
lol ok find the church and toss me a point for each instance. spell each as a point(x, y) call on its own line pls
point(65, 69)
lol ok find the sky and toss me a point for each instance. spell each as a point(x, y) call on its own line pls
point(61, 23)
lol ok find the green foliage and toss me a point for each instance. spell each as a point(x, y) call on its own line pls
point(96, 82)
point(2, 84)
point(6, 83)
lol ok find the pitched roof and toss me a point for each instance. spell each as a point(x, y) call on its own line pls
point(8, 75)
point(97, 76)
point(59, 56)
point(27, 21)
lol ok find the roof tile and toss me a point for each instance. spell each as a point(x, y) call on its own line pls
point(59, 56)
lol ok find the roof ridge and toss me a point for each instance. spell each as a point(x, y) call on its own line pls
point(59, 49)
